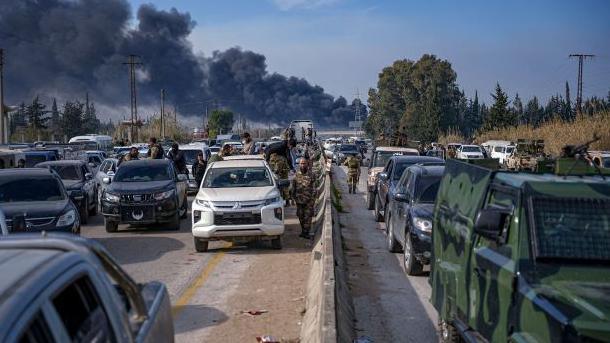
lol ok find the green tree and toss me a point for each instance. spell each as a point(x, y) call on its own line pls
point(220, 121)
point(37, 119)
point(499, 114)
point(517, 109)
point(72, 118)
point(533, 112)
point(55, 124)
point(567, 113)
point(472, 119)
point(90, 123)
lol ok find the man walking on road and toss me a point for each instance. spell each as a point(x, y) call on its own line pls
point(353, 172)
point(304, 195)
point(199, 168)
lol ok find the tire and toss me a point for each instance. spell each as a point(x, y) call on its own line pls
point(370, 200)
point(378, 216)
point(391, 241)
point(111, 226)
point(200, 244)
point(84, 212)
point(93, 211)
point(448, 333)
point(276, 243)
point(412, 265)
point(185, 208)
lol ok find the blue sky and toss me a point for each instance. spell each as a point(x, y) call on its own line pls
point(342, 45)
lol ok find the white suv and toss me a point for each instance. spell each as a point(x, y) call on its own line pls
point(239, 200)
point(466, 152)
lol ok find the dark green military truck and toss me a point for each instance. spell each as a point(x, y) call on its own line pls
point(521, 257)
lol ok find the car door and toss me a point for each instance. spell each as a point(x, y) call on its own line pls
point(181, 187)
point(398, 207)
point(88, 183)
point(101, 173)
point(384, 185)
point(407, 186)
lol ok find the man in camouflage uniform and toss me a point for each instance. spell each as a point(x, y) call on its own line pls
point(303, 189)
point(353, 172)
point(279, 165)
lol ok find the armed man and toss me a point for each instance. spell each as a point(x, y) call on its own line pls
point(353, 172)
point(303, 189)
point(280, 166)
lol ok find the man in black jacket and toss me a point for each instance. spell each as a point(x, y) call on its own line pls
point(177, 157)
point(199, 168)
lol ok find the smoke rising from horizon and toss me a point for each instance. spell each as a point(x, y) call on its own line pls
point(64, 48)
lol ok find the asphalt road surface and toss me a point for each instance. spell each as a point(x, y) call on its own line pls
point(390, 306)
point(211, 291)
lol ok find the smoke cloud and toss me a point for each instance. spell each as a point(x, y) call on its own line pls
point(63, 48)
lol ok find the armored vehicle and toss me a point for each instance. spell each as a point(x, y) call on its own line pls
point(526, 155)
point(522, 257)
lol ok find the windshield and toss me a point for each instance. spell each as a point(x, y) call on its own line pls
point(30, 189)
point(142, 173)
point(510, 149)
point(382, 157)
point(67, 172)
point(399, 169)
point(572, 228)
point(32, 160)
point(607, 162)
point(471, 149)
point(348, 147)
point(190, 156)
point(427, 189)
point(237, 177)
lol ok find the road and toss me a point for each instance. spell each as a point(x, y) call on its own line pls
point(389, 305)
point(210, 291)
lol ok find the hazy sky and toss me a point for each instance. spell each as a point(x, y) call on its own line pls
point(342, 45)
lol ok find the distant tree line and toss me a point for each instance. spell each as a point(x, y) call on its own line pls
point(36, 122)
point(422, 100)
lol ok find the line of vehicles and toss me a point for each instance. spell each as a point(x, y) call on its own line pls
point(513, 256)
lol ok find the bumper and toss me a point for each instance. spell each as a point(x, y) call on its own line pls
point(192, 187)
point(145, 213)
point(205, 225)
point(422, 245)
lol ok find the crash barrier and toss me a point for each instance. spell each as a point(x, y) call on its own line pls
point(329, 315)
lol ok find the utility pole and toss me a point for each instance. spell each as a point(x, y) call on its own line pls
point(3, 120)
point(581, 59)
point(162, 114)
point(132, 62)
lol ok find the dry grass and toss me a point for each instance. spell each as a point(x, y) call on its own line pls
point(555, 133)
point(452, 136)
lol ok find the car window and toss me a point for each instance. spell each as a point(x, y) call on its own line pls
point(498, 149)
point(404, 181)
point(389, 168)
point(237, 177)
point(104, 166)
point(82, 313)
point(37, 331)
point(144, 173)
point(67, 172)
point(427, 189)
point(473, 149)
point(30, 189)
point(400, 168)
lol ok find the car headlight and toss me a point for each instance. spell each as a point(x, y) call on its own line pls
point(164, 195)
point(203, 203)
point(422, 224)
point(111, 197)
point(271, 201)
point(66, 219)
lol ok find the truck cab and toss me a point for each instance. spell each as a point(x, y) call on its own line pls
point(522, 257)
point(57, 288)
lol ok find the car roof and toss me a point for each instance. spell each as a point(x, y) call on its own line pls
point(472, 145)
point(415, 159)
point(519, 179)
point(243, 157)
point(26, 172)
point(394, 149)
point(146, 162)
point(238, 163)
point(18, 264)
point(61, 163)
point(428, 170)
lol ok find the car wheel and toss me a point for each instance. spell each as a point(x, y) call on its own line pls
point(200, 244)
point(412, 265)
point(392, 244)
point(276, 243)
point(84, 212)
point(386, 214)
point(448, 333)
point(185, 208)
point(378, 216)
point(93, 210)
point(111, 226)
point(370, 200)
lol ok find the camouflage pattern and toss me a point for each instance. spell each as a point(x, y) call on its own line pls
point(353, 172)
point(526, 155)
point(214, 158)
point(499, 287)
point(304, 193)
point(279, 165)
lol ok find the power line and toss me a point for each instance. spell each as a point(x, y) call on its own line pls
point(581, 59)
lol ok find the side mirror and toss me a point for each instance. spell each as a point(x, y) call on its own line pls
point(88, 176)
point(382, 176)
point(106, 180)
point(158, 313)
point(182, 177)
point(110, 173)
point(91, 164)
point(489, 223)
point(283, 183)
point(402, 197)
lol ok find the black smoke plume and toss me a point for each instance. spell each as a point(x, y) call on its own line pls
point(63, 48)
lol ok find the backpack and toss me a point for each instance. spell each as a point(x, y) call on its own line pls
point(353, 163)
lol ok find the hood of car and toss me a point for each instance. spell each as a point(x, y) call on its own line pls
point(424, 210)
point(34, 209)
point(237, 193)
point(140, 187)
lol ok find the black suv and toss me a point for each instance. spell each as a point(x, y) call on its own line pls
point(410, 212)
point(145, 192)
point(34, 199)
point(77, 177)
